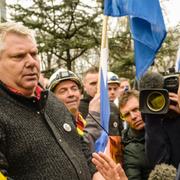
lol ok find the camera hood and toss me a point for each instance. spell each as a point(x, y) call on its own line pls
point(154, 101)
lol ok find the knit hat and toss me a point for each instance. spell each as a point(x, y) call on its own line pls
point(62, 75)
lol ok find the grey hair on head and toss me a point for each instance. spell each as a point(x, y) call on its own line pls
point(16, 28)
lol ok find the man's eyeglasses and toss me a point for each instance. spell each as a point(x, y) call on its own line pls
point(127, 115)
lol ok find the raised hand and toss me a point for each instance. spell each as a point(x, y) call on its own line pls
point(108, 168)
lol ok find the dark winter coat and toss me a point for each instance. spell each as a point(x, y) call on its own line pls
point(134, 160)
point(163, 138)
point(29, 149)
point(84, 105)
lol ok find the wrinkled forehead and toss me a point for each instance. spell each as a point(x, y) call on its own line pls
point(131, 102)
point(91, 76)
point(16, 38)
point(66, 84)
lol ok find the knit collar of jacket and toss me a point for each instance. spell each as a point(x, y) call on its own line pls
point(36, 102)
point(38, 90)
point(130, 135)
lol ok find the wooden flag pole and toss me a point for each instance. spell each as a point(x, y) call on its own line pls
point(104, 32)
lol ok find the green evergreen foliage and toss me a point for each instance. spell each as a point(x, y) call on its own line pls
point(65, 30)
point(68, 31)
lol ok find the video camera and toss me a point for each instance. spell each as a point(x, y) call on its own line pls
point(156, 100)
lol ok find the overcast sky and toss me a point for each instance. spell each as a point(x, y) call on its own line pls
point(172, 9)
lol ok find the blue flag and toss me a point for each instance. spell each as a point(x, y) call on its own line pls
point(147, 28)
point(101, 142)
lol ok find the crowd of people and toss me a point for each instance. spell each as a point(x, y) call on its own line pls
point(48, 127)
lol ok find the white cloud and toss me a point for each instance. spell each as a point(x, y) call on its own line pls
point(171, 12)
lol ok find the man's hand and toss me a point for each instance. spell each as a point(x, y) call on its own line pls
point(94, 104)
point(108, 168)
point(174, 106)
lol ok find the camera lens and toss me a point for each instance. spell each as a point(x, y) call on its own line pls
point(156, 101)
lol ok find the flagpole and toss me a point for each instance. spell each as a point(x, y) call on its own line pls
point(102, 89)
point(103, 45)
point(104, 32)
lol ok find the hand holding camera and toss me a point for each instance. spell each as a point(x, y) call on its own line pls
point(174, 102)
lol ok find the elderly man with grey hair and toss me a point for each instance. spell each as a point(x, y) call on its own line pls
point(38, 137)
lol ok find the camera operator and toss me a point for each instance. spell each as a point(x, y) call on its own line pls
point(162, 130)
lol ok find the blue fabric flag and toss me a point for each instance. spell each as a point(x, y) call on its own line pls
point(101, 142)
point(147, 28)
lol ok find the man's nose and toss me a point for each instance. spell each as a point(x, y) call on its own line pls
point(112, 91)
point(132, 114)
point(70, 92)
point(30, 61)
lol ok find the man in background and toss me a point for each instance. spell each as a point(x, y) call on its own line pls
point(113, 86)
point(114, 147)
point(135, 163)
point(90, 80)
point(67, 87)
point(113, 92)
point(124, 85)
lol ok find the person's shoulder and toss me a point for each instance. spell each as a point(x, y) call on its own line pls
point(84, 102)
point(114, 108)
point(53, 101)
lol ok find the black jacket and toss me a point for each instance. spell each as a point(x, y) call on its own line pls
point(163, 138)
point(84, 105)
point(134, 160)
point(30, 149)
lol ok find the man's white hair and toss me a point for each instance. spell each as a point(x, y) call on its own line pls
point(11, 27)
